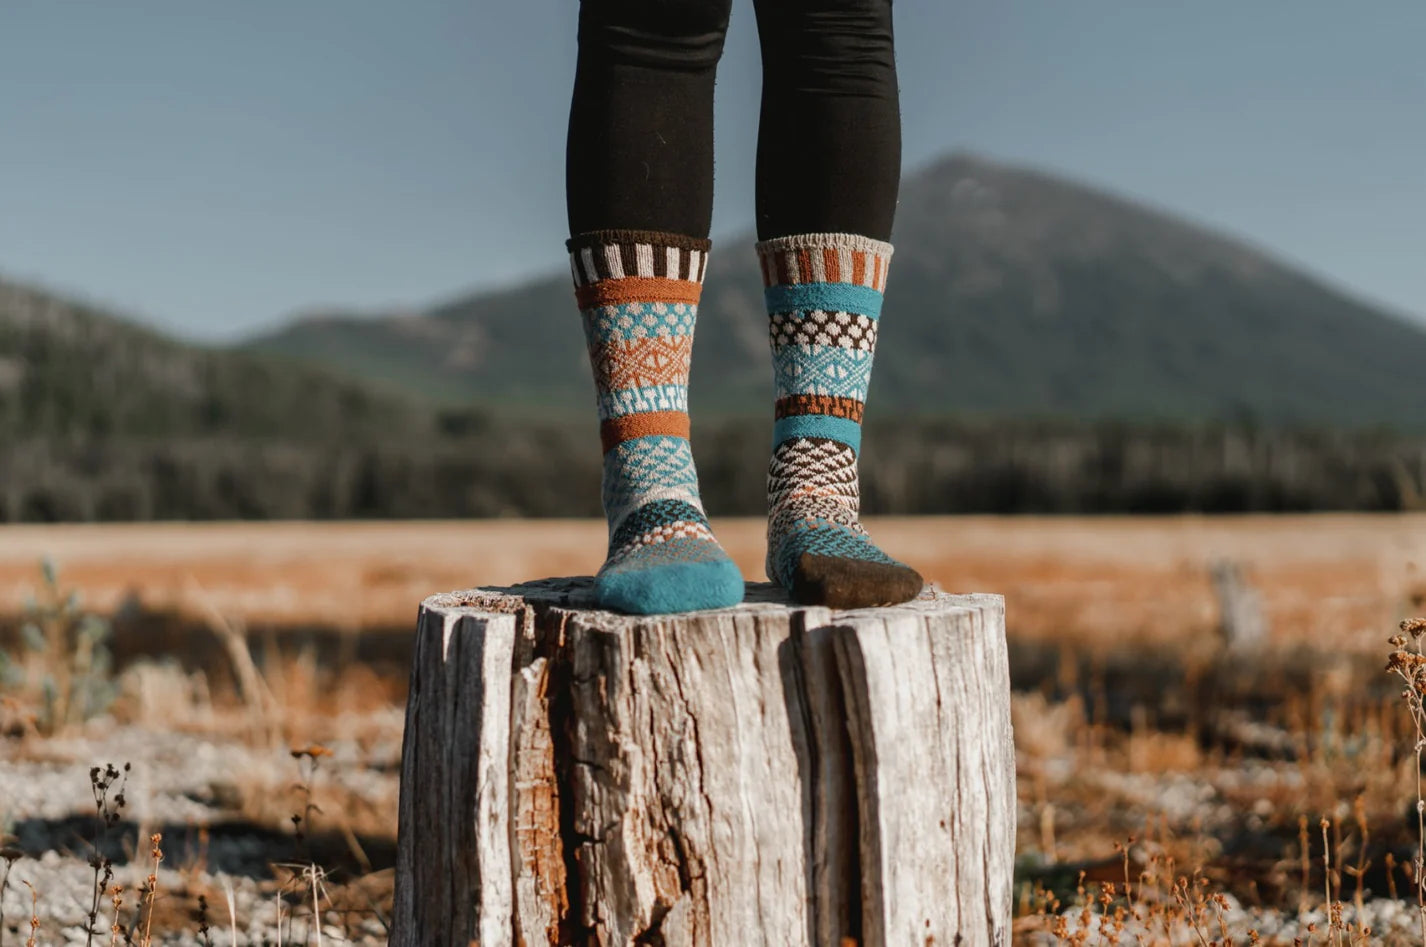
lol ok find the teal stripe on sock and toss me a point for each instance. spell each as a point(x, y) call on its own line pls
point(829, 297)
point(818, 425)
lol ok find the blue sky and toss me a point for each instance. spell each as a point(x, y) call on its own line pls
point(215, 167)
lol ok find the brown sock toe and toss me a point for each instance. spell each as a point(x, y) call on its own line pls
point(852, 583)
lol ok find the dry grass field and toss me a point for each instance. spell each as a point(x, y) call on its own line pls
point(1096, 581)
point(1169, 792)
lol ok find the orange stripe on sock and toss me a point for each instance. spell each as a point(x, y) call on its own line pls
point(637, 289)
point(832, 262)
point(858, 266)
point(626, 427)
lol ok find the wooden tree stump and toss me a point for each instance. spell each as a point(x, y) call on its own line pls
point(768, 774)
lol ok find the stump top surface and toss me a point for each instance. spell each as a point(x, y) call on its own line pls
point(575, 593)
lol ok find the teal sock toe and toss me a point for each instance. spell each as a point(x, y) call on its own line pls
point(666, 587)
point(663, 558)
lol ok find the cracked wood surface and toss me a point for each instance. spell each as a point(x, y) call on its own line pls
point(765, 774)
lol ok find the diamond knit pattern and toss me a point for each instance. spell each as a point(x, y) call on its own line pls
point(813, 503)
point(821, 370)
point(639, 471)
point(638, 294)
point(823, 294)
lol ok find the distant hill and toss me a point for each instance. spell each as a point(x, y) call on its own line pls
point(1013, 293)
point(70, 370)
point(101, 419)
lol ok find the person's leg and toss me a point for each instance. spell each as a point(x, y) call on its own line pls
point(640, 149)
point(639, 186)
point(829, 140)
point(829, 159)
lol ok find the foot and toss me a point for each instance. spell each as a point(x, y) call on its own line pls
point(663, 559)
point(817, 549)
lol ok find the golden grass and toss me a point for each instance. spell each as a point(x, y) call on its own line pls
point(1098, 581)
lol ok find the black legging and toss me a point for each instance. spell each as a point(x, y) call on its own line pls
point(640, 151)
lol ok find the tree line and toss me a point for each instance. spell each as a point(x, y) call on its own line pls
point(470, 465)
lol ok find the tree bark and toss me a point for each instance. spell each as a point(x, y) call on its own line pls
point(766, 774)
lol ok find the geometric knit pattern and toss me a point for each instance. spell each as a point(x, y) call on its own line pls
point(823, 295)
point(638, 295)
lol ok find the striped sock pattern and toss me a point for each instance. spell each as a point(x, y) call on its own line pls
point(823, 295)
point(638, 295)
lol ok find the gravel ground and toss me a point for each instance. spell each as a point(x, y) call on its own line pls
point(188, 781)
point(1392, 923)
point(176, 777)
point(64, 887)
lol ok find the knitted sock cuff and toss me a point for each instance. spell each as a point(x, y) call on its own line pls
point(641, 254)
point(824, 258)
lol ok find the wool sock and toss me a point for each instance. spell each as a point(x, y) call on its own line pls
point(638, 293)
point(823, 293)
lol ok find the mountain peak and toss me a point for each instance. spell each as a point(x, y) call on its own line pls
point(1013, 292)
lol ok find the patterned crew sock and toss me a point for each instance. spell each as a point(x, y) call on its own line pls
point(823, 294)
point(638, 292)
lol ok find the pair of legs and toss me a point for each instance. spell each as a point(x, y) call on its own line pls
point(640, 151)
point(639, 182)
